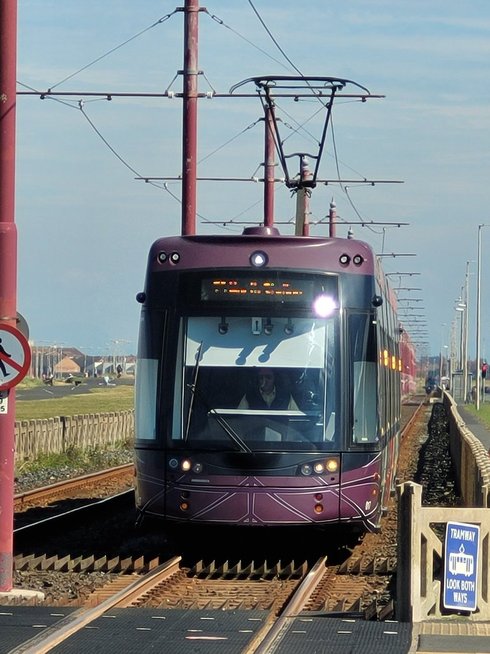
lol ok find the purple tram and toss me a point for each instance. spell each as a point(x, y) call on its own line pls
point(311, 317)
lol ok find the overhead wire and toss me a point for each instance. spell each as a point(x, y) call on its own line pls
point(68, 103)
point(335, 156)
point(161, 20)
point(234, 31)
point(132, 38)
point(114, 49)
point(164, 186)
point(105, 141)
point(233, 138)
point(273, 39)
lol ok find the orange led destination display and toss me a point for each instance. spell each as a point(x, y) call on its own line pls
point(248, 289)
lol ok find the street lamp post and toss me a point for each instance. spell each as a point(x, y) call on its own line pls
point(478, 318)
point(441, 354)
point(465, 361)
point(461, 308)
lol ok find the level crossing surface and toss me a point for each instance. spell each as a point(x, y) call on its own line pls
point(179, 631)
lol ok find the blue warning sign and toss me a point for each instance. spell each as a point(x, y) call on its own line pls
point(461, 566)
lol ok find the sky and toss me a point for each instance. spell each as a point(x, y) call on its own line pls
point(85, 223)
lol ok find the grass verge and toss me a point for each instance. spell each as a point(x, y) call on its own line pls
point(81, 461)
point(97, 400)
point(483, 414)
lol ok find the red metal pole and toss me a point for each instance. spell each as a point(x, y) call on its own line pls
point(269, 170)
point(8, 272)
point(189, 131)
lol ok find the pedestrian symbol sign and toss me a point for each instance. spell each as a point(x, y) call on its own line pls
point(15, 356)
point(461, 566)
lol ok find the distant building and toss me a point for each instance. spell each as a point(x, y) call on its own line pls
point(67, 366)
point(49, 360)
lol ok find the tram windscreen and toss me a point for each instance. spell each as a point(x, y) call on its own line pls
point(256, 383)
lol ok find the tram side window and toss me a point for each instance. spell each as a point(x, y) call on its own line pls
point(146, 386)
point(383, 380)
point(146, 391)
point(362, 338)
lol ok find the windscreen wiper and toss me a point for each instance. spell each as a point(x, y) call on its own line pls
point(192, 387)
point(227, 428)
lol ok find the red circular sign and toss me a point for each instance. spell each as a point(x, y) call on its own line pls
point(15, 357)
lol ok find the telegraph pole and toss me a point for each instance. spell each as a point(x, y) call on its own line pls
point(8, 274)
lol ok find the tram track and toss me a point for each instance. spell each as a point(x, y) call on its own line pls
point(287, 599)
point(285, 603)
point(103, 481)
point(279, 589)
point(358, 584)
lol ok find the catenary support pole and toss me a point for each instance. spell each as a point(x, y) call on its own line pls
point(332, 219)
point(303, 201)
point(269, 165)
point(8, 272)
point(189, 131)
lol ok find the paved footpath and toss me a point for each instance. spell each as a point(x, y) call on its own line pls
point(475, 426)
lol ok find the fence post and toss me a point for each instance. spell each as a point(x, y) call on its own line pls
point(408, 565)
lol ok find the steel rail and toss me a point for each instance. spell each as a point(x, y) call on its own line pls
point(413, 418)
point(271, 634)
point(76, 621)
point(53, 489)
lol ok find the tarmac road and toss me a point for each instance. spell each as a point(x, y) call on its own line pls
point(61, 389)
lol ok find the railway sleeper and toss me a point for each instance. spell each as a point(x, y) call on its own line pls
point(252, 570)
point(67, 563)
point(368, 566)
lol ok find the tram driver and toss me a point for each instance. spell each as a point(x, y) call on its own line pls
point(266, 394)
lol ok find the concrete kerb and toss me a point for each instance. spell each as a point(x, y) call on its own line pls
point(22, 594)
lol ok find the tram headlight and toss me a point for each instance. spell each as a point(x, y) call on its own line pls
point(175, 257)
point(326, 466)
point(259, 259)
point(197, 468)
point(185, 465)
point(324, 306)
point(344, 259)
point(332, 465)
point(357, 259)
point(162, 257)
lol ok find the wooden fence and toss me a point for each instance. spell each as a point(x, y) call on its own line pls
point(34, 438)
